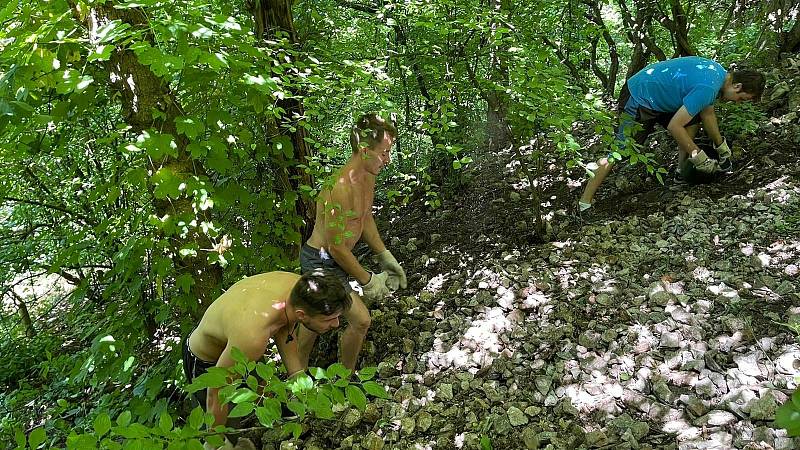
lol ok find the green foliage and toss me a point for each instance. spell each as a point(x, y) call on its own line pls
point(741, 119)
point(150, 158)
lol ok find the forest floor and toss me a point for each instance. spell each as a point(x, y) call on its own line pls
point(663, 318)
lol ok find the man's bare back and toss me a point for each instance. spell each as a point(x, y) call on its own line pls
point(253, 309)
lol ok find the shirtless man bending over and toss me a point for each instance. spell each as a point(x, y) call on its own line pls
point(257, 308)
point(344, 215)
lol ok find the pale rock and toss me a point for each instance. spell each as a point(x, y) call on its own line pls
point(516, 417)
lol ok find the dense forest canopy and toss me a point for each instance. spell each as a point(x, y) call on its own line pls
point(153, 153)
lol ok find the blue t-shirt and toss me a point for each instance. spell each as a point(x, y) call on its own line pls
point(665, 86)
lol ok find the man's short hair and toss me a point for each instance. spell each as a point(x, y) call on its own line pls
point(320, 292)
point(370, 129)
point(753, 82)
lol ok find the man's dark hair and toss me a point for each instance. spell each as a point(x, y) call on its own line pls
point(320, 292)
point(370, 129)
point(753, 82)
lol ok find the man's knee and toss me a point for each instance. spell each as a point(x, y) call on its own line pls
point(361, 322)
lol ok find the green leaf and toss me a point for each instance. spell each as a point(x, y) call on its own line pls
point(194, 444)
point(274, 408)
point(301, 383)
point(165, 422)
point(356, 397)
point(190, 126)
point(37, 437)
point(184, 282)
point(265, 371)
point(5, 13)
point(124, 419)
point(168, 185)
point(796, 399)
point(111, 31)
point(243, 395)
point(292, 428)
point(196, 418)
point(456, 164)
point(19, 436)
point(241, 410)
point(210, 379)
point(367, 373)
point(238, 355)
point(252, 382)
point(374, 389)
point(218, 157)
point(297, 408)
point(337, 395)
point(788, 417)
point(102, 424)
point(101, 53)
point(337, 370)
point(321, 405)
point(486, 444)
point(318, 373)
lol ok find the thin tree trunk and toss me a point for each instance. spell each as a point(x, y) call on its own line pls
point(141, 93)
point(24, 314)
point(272, 17)
point(609, 79)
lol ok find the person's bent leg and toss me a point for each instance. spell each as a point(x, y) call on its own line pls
point(353, 337)
point(600, 174)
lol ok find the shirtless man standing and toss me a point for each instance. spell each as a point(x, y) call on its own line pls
point(344, 215)
point(249, 313)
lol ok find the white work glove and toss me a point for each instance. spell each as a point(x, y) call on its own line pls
point(703, 163)
point(725, 164)
point(397, 276)
point(723, 150)
point(376, 289)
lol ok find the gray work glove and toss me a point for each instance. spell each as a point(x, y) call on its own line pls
point(397, 276)
point(703, 163)
point(376, 289)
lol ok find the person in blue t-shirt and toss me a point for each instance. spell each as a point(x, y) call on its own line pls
point(678, 94)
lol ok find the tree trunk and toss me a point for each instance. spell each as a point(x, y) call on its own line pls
point(272, 17)
point(24, 314)
point(638, 32)
point(678, 27)
point(790, 41)
point(609, 80)
point(142, 92)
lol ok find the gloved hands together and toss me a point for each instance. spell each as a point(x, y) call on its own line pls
point(397, 276)
point(376, 288)
point(703, 163)
point(724, 152)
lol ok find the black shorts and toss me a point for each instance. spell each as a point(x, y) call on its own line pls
point(193, 367)
point(313, 258)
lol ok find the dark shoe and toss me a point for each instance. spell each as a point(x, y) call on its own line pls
point(678, 178)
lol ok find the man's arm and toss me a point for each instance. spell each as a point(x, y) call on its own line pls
point(371, 236)
point(677, 128)
point(288, 352)
point(253, 347)
point(342, 224)
point(709, 119)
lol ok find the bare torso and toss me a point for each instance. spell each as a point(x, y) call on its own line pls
point(361, 195)
point(255, 304)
